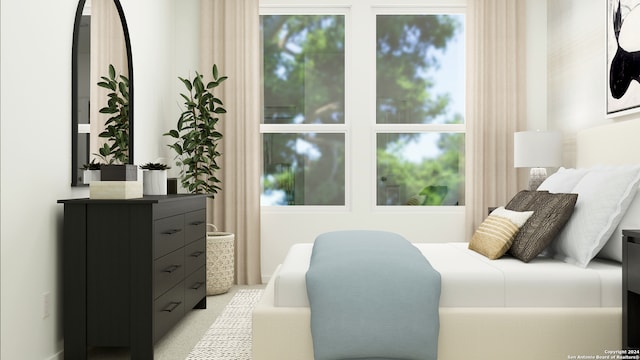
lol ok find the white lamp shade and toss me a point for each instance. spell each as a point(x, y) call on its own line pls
point(537, 149)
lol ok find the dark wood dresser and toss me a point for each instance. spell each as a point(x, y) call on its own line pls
point(132, 269)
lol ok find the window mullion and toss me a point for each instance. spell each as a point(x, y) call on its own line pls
point(403, 128)
point(295, 128)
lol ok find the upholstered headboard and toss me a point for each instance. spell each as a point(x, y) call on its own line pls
point(612, 144)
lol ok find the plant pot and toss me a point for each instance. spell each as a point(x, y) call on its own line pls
point(172, 186)
point(154, 182)
point(220, 261)
point(90, 175)
point(124, 172)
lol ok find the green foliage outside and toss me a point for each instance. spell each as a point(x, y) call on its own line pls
point(300, 50)
point(304, 52)
point(407, 46)
point(430, 182)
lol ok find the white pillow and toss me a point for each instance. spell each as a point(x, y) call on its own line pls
point(612, 250)
point(603, 198)
point(563, 180)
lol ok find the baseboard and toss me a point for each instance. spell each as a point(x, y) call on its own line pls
point(57, 356)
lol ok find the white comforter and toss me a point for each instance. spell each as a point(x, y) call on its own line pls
point(471, 280)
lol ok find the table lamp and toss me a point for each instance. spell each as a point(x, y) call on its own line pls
point(537, 150)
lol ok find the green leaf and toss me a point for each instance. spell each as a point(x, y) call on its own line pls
point(177, 148)
point(199, 86)
point(174, 134)
point(123, 89)
point(214, 71)
point(186, 83)
point(112, 72)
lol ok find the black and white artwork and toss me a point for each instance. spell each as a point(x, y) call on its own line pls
point(623, 57)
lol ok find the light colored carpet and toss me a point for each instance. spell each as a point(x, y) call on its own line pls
point(229, 337)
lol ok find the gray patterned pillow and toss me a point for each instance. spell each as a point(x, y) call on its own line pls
point(550, 213)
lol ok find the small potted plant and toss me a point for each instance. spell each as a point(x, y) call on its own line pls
point(90, 172)
point(154, 178)
point(115, 152)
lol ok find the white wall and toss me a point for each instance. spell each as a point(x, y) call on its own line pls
point(536, 77)
point(577, 69)
point(36, 168)
point(35, 115)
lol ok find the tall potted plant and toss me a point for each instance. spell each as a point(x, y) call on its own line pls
point(196, 136)
point(196, 141)
point(115, 150)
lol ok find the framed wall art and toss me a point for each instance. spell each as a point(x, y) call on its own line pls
point(623, 57)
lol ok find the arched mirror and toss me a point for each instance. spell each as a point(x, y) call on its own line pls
point(100, 39)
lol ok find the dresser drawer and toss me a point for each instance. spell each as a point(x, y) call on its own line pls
point(633, 263)
point(168, 235)
point(195, 223)
point(168, 310)
point(167, 272)
point(195, 255)
point(195, 288)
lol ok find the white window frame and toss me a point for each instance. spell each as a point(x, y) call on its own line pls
point(317, 128)
point(365, 174)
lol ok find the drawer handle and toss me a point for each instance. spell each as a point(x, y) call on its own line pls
point(171, 269)
point(197, 285)
point(172, 231)
point(634, 240)
point(197, 254)
point(196, 223)
point(172, 306)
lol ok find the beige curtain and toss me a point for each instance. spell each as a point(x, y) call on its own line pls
point(107, 47)
point(496, 95)
point(230, 38)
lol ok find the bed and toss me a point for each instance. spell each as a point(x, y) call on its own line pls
point(547, 308)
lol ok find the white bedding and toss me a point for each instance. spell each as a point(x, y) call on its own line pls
point(471, 280)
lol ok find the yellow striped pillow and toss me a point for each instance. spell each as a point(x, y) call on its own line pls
point(495, 235)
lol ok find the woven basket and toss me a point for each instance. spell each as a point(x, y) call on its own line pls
point(220, 261)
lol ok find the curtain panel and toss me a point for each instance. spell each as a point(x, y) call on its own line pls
point(107, 48)
point(497, 103)
point(230, 38)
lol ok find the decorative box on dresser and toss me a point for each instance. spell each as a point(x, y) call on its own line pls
point(631, 289)
point(132, 269)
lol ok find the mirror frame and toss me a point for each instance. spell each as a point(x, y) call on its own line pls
point(75, 167)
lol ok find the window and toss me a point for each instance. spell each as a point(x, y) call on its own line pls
point(303, 169)
point(400, 136)
point(420, 86)
point(304, 96)
point(421, 168)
